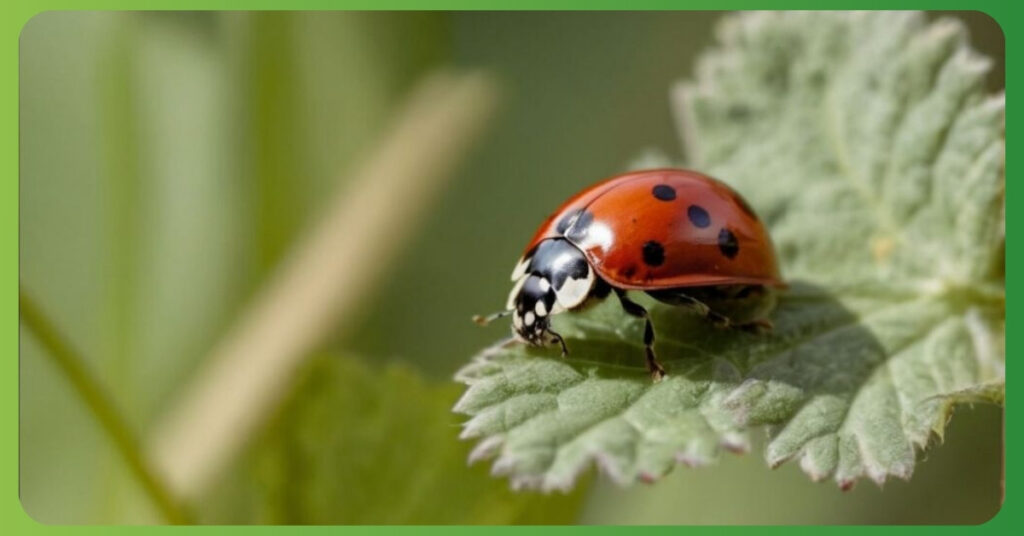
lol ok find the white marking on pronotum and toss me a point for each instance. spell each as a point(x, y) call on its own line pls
point(541, 309)
point(520, 269)
point(598, 236)
point(517, 321)
point(545, 285)
point(575, 291)
point(511, 303)
point(529, 318)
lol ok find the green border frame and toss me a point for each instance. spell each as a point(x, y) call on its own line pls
point(14, 518)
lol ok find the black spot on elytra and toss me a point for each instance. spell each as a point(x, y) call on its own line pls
point(727, 243)
point(578, 230)
point(664, 192)
point(566, 221)
point(698, 216)
point(654, 253)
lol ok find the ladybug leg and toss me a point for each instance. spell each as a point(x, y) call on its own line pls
point(635, 309)
point(556, 337)
point(721, 321)
point(762, 325)
point(702, 309)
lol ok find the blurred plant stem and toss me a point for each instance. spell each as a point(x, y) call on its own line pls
point(322, 282)
point(86, 385)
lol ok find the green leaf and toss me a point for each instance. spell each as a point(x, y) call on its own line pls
point(865, 142)
point(993, 392)
point(361, 445)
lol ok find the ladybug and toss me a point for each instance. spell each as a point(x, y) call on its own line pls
point(682, 237)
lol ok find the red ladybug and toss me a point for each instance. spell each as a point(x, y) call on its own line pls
point(680, 236)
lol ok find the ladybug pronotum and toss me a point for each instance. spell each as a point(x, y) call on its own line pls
point(682, 237)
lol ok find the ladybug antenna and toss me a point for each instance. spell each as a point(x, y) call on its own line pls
point(484, 320)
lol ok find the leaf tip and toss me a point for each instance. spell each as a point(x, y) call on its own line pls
point(812, 470)
point(735, 443)
point(774, 462)
point(485, 449)
point(690, 460)
point(503, 466)
point(648, 478)
point(462, 406)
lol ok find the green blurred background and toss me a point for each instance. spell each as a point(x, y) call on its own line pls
point(169, 161)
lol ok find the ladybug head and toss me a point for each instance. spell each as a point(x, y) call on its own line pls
point(552, 278)
point(532, 307)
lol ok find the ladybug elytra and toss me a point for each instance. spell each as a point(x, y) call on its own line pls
point(682, 237)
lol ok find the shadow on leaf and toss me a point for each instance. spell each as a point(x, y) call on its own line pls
point(544, 418)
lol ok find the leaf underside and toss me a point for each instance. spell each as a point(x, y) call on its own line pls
point(866, 143)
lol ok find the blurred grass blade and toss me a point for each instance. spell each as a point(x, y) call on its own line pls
point(88, 387)
point(325, 278)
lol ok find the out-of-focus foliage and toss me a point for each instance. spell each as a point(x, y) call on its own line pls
point(167, 162)
point(866, 142)
point(362, 445)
